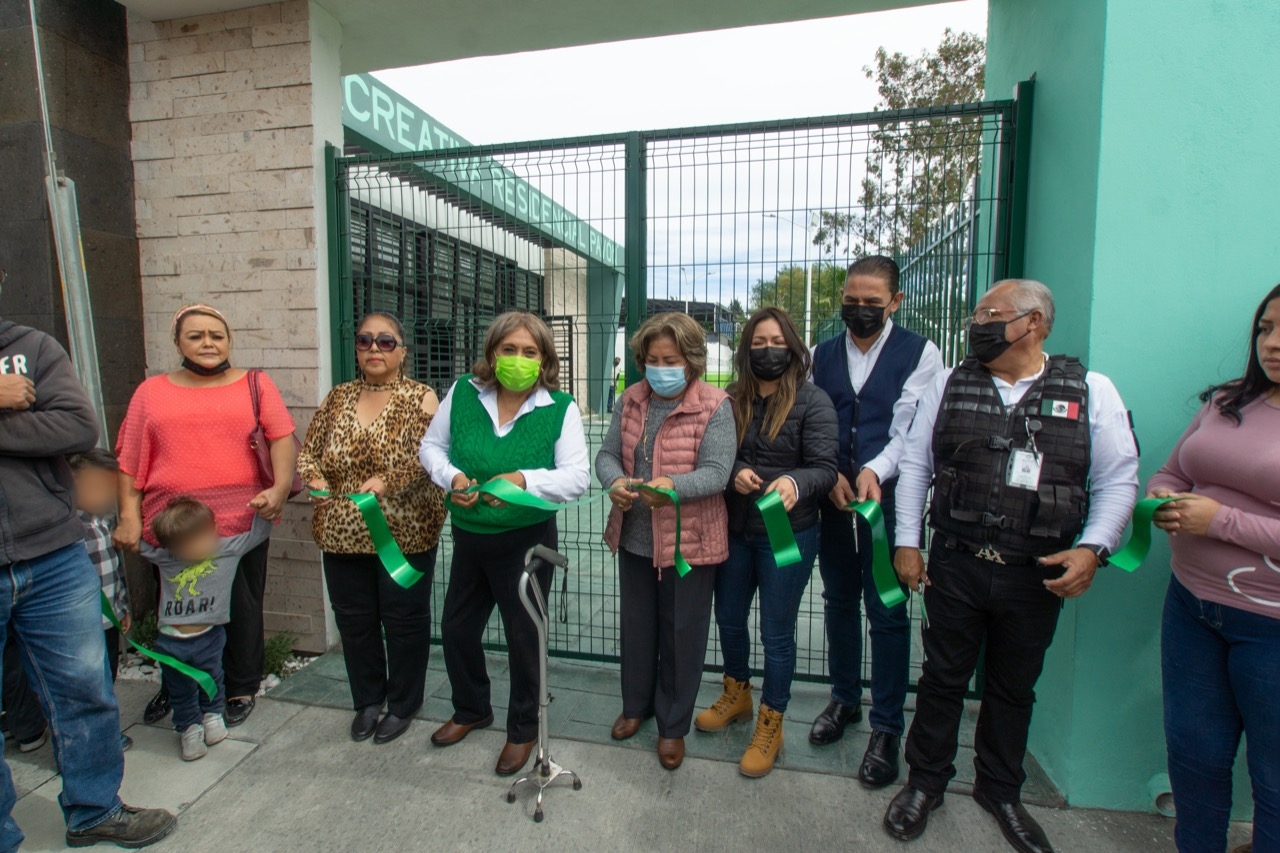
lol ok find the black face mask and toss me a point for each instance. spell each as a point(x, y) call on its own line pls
point(201, 370)
point(863, 320)
point(768, 363)
point(987, 340)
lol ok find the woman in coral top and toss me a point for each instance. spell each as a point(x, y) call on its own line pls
point(1220, 638)
point(187, 433)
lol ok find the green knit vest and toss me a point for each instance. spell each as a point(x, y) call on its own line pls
point(482, 455)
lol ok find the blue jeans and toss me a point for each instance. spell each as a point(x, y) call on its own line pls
point(750, 567)
point(846, 581)
point(203, 651)
point(1221, 672)
point(53, 601)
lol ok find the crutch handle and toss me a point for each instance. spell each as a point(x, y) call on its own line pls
point(543, 554)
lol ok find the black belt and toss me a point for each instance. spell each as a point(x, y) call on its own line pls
point(990, 554)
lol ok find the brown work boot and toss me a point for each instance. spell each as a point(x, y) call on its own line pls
point(766, 743)
point(734, 704)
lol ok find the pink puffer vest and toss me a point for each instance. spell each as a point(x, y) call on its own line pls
point(704, 523)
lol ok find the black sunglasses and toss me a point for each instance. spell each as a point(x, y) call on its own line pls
point(386, 343)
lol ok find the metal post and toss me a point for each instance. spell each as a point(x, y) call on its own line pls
point(341, 299)
point(1024, 100)
point(636, 248)
point(808, 294)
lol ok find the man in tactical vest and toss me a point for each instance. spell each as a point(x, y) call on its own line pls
point(874, 375)
point(1034, 470)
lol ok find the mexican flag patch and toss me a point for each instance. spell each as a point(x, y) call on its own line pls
point(1060, 409)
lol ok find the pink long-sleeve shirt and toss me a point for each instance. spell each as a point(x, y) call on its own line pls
point(1237, 563)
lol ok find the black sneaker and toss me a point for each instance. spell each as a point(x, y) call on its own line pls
point(157, 709)
point(238, 710)
point(129, 827)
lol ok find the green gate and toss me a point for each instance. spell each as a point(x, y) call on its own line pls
point(595, 233)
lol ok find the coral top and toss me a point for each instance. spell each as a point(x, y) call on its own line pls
point(195, 441)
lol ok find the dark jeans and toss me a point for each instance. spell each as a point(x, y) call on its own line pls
point(243, 658)
point(112, 636)
point(485, 572)
point(1221, 672)
point(22, 713)
point(972, 600)
point(751, 567)
point(366, 603)
point(203, 651)
point(664, 623)
point(846, 581)
point(53, 600)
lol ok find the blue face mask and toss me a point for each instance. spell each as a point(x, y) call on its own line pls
point(666, 381)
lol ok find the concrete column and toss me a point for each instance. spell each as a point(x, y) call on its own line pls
point(230, 114)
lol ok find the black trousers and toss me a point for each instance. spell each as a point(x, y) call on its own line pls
point(664, 628)
point(972, 600)
point(485, 572)
point(242, 659)
point(366, 604)
point(113, 651)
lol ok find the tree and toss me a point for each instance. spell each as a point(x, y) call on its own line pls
point(917, 170)
point(786, 291)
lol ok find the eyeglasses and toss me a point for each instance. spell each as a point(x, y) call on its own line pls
point(385, 343)
point(995, 315)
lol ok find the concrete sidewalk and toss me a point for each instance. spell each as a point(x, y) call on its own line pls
point(291, 780)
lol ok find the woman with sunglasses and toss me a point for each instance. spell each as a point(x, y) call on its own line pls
point(507, 421)
point(365, 438)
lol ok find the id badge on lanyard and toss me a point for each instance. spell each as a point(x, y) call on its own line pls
point(1023, 469)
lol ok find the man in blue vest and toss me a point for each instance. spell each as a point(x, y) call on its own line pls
point(874, 375)
point(1034, 470)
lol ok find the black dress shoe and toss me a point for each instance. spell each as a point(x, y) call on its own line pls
point(880, 761)
point(157, 709)
point(366, 721)
point(391, 728)
point(238, 710)
point(908, 813)
point(1020, 828)
point(829, 727)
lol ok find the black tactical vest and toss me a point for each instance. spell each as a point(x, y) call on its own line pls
point(972, 441)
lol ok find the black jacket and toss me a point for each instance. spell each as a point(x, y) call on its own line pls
point(37, 497)
point(805, 449)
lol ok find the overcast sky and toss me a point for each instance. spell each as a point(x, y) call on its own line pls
point(767, 72)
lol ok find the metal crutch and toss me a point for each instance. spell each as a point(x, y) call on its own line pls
point(545, 770)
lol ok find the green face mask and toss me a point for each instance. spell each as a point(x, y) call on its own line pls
point(517, 373)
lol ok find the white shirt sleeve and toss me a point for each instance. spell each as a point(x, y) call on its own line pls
point(572, 472)
point(1113, 465)
point(915, 467)
point(433, 453)
point(885, 465)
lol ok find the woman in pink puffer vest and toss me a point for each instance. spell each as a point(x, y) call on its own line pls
point(674, 431)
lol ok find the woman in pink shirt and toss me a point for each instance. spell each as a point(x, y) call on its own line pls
point(1220, 638)
point(187, 433)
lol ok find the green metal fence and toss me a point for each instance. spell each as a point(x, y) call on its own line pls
point(594, 233)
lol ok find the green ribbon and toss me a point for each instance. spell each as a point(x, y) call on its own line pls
point(204, 679)
point(1136, 549)
point(882, 572)
point(509, 492)
point(393, 559)
point(782, 539)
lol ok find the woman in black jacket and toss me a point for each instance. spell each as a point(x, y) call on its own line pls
point(787, 443)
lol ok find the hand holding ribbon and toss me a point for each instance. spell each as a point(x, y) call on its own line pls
point(393, 559)
point(1139, 545)
point(886, 579)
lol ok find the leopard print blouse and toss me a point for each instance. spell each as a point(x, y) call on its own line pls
point(345, 454)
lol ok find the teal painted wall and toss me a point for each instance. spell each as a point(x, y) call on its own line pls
point(1062, 45)
point(1158, 296)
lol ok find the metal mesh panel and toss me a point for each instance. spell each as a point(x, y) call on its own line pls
point(731, 218)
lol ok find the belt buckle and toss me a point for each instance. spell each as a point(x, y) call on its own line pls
point(991, 554)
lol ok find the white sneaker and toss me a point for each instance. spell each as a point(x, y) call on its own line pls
point(193, 745)
point(215, 730)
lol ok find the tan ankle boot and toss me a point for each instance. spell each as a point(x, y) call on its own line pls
point(734, 704)
point(766, 743)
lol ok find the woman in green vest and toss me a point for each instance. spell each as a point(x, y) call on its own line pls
point(507, 419)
